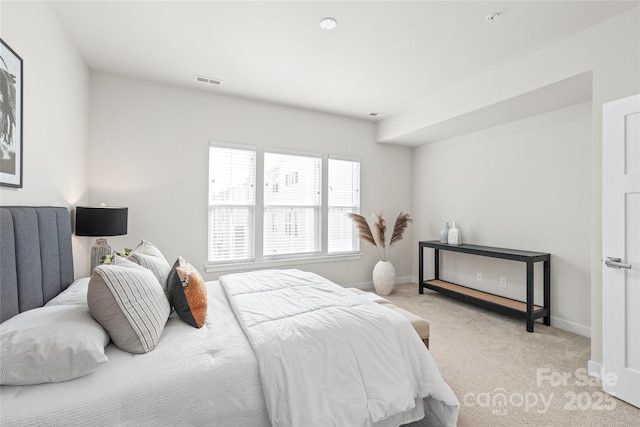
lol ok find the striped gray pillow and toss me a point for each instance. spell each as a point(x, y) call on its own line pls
point(149, 256)
point(129, 304)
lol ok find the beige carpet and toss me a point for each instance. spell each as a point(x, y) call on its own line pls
point(505, 376)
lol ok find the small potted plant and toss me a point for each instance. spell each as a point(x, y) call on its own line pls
point(105, 260)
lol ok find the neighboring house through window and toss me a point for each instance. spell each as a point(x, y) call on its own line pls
point(232, 199)
point(294, 207)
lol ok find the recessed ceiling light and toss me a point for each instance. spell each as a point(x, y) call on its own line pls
point(328, 24)
point(492, 17)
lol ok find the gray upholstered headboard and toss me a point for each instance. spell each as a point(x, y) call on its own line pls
point(36, 260)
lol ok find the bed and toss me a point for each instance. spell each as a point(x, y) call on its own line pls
point(226, 373)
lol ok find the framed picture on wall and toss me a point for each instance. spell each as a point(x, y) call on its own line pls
point(10, 117)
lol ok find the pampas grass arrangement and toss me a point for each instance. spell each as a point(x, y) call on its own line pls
point(380, 227)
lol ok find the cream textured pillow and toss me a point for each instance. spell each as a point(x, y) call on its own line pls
point(130, 304)
point(149, 256)
point(50, 344)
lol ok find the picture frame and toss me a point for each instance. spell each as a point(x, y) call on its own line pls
point(10, 117)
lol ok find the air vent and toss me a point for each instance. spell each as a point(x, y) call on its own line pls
point(209, 80)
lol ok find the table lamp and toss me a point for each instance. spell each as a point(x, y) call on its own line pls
point(100, 222)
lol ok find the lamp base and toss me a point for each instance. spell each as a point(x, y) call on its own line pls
point(100, 249)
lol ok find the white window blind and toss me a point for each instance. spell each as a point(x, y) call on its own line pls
point(344, 197)
point(232, 179)
point(292, 200)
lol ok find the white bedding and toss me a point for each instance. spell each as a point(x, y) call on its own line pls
point(330, 358)
point(197, 377)
point(194, 377)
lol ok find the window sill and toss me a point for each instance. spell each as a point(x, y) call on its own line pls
point(291, 262)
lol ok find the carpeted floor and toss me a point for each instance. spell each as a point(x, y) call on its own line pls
point(505, 376)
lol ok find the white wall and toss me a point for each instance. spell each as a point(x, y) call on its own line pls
point(55, 113)
point(149, 151)
point(525, 185)
point(611, 52)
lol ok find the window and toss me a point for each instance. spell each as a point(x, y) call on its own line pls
point(294, 218)
point(292, 202)
point(344, 197)
point(232, 178)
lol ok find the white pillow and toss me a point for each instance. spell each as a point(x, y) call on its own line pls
point(50, 344)
point(75, 294)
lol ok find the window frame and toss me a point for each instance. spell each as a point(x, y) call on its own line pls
point(259, 260)
point(251, 207)
point(317, 208)
point(352, 208)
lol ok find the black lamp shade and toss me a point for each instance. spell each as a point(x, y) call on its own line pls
point(101, 222)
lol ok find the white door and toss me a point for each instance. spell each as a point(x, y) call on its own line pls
point(621, 249)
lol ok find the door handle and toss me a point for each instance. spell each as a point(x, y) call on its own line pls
point(615, 263)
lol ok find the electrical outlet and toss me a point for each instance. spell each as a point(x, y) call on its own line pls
point(503, 282)
point(479, 277)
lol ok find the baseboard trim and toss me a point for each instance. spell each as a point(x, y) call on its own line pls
point(594, 369)
point(566, 325)
point(368, 286)
point(405, 279)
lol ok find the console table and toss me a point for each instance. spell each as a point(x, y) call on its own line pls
point(512, 307)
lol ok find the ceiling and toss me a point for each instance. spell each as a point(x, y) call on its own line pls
point(384, 56)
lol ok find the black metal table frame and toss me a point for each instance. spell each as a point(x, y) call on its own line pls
point(530, 258)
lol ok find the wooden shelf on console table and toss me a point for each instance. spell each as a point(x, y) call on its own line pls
point(509, 305)
point(527, 309)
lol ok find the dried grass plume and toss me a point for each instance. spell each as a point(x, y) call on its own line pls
point(402, 222)
point(364, 231)
point(380, 227)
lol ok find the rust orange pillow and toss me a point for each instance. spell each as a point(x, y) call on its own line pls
point(187, 293)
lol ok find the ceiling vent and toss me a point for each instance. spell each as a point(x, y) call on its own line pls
point(209, 80)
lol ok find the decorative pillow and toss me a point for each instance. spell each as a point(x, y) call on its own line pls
point(187, 293)
point(125, 262)
point(149, 256)
point(128, 302)
point(50, 344)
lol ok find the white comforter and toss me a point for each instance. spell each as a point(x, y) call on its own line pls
point(328, 357)
point(194, 377)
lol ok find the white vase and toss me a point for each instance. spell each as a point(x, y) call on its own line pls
point(454, 235)
point(444, 232)
point(384, 277)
